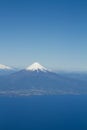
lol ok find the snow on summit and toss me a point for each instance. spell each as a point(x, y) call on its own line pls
point(36, 67)
point(4, 67)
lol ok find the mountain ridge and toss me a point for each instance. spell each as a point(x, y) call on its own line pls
point(35, 80)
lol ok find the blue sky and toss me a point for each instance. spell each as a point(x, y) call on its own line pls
point(52, 32)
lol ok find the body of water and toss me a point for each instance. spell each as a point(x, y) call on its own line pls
point(65, 112)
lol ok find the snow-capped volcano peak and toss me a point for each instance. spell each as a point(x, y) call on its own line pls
point(36, 67)
point(4, 67)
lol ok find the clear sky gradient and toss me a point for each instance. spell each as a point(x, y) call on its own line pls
point(51, 32)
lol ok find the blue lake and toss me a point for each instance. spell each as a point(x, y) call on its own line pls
point(65, 112)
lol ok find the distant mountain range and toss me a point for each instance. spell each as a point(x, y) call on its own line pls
point(5, 70)
point(38, 80)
